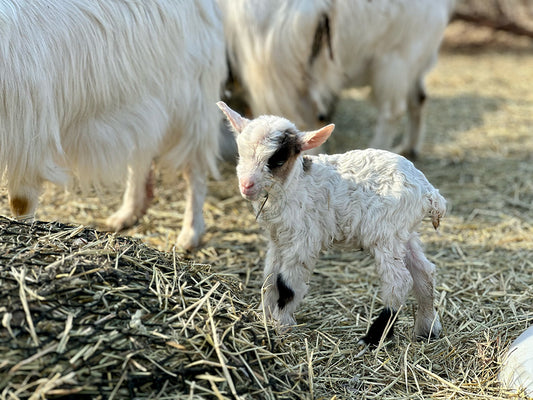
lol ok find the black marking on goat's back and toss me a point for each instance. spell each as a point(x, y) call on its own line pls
point(376, 330)
point(286, 294)
point(307, 163)
point(289, 145)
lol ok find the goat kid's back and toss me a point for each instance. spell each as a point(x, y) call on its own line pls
point(91, 87)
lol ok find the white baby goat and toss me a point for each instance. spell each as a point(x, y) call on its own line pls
point(293, 58)
point(98, 87)
point(372, 199)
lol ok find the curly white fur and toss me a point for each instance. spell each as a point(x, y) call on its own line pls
point(294, 57)
point(94, 88)
point(371, 199)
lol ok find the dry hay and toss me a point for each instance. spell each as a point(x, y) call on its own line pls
point(479, 153)
point(94, 315)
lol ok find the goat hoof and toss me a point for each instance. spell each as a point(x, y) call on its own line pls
point(189, 239)
point(430, 330)
point(121, 220)
point(383, 324)
point(410, 154)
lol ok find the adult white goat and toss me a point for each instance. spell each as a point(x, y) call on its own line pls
point(97, 88)
point(293, 58)
point(371, 198)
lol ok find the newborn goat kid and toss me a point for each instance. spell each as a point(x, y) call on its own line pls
point(364, 198)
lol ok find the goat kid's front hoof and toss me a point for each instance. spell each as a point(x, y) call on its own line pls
point(284, 321)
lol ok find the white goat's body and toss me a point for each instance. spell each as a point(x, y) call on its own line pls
point(372, 199)
point(294, 58)
point(364, 198)
point(95, 88)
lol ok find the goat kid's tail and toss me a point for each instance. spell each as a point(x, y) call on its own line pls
point(436, 207)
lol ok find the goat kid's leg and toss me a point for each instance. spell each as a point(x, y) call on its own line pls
point(414, 138)
point(137, 197)
point(193, 220)
point(396, 283)
point(24, 197)
point(269, 297)
point(427, 324)
point(285, 287)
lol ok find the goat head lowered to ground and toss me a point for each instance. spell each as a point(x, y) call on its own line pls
point(293, 58)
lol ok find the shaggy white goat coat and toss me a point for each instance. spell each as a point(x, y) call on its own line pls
point(372, 199)
point(294, 57)
point(96, 88)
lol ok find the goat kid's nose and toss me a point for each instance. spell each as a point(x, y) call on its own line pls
point(247, 184)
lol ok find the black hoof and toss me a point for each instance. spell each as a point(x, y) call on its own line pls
point(385, 320)
point(411, 154)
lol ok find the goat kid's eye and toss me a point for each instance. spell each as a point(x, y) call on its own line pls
point(278, 159)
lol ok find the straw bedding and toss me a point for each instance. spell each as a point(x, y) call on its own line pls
point(87, 314)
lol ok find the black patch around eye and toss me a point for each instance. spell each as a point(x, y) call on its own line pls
point(279, 158)
point(288, 147)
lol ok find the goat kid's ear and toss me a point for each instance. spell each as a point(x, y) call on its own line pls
point(237, 122)
point(316, 138)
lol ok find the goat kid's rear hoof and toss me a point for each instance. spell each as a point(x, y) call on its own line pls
point(431, 331)
point(382, 325)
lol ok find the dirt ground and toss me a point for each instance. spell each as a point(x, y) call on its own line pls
point(478, 152)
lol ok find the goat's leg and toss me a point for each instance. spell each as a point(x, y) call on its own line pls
point(270, 292)
point(427, 322)
point(137, 197)
point(193, 226)
point(285, 286)
point(385, 130)
point(23, 196)
point(396, 282)
point(389, 90)
point(414, 137)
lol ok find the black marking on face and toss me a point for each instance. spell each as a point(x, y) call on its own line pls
point(289, 146)
point(286, 294)
point(307, 163)
point(376, 330)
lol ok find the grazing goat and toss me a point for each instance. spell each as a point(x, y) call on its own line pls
point(95, 88)
point(370, 199)
point(293, 58)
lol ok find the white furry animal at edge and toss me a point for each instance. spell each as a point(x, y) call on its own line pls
point(295, 57)
point(98, 88)
point(372, 199)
